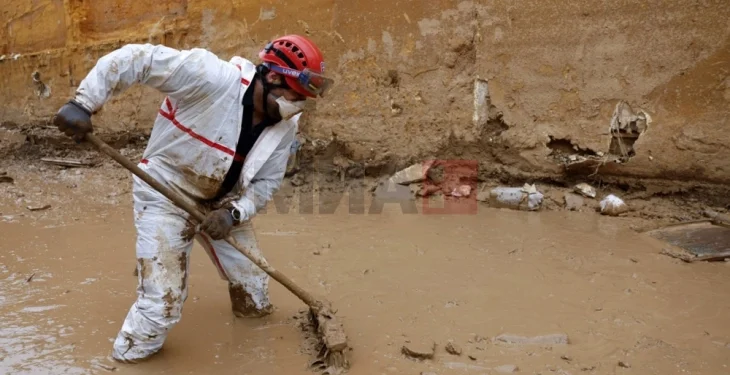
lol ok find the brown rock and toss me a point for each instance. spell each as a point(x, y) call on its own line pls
point(419, 352)
point(452, 348)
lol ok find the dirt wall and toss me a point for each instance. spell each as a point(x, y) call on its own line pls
point(531, 85)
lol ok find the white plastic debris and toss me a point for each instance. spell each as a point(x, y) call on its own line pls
point(613, 206)
point(518, 198)
point(585, 190)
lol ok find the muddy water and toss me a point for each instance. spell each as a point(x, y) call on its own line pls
point(395, 278)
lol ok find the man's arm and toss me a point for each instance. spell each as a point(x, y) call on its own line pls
point(179, 74)
point(268, 180)
point(173, 72)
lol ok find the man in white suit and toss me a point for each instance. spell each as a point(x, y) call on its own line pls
point(221, 139)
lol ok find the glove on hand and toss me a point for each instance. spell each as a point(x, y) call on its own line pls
point(218, 224)
point(74, 121)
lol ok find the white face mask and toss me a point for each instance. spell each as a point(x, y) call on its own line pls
point(288, 109)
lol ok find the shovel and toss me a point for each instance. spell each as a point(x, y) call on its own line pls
point(330, 333)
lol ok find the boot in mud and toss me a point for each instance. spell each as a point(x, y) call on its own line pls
point(243, 304)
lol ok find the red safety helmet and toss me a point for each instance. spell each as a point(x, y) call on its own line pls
point(300, 62)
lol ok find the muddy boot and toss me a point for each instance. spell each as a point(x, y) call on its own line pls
point(244, 306)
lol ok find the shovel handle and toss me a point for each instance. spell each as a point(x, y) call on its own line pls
point(199, 216)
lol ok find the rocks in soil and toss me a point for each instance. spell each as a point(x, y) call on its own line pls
point(6, 179)
point(573, 202)
point(436, 173)
point(585, 190)
point(483, 196)
point(506, 369)
point(613, 206)
point(39, 208)
point(419, 351)
point(414, 173)
point(297, 180)
point(552, 339)
point(453, 349)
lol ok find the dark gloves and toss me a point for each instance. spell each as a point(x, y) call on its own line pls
point(218, 224)
point(74, 120)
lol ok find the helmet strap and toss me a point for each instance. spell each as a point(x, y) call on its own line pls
point(261, 72)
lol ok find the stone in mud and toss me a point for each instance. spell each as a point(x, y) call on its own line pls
point(483, 196)
point(613, 206)
point(436, 173)
point(414, 173)
point(553, 339)
point(297, 180)
point(419, 351)
point(453, 349)
point(573, 202)
point(585, 190)
point(506, 369)
point(39, 208)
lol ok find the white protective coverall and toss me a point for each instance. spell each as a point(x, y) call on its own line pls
point(191, 148)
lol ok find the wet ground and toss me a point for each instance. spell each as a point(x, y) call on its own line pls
point(66, 284)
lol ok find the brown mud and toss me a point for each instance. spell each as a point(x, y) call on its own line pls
point(393, 277)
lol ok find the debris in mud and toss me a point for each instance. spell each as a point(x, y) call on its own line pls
point(506, 369)
point(484, 196)
point(552, 339)
point(461, 191)
point(453, 349)
point(585, 190)
point(297, 180)
point(717, 218)
point(105, 367)
point(626, 126)
point(4, 178)
point(412, 174)
point(624, 364)
point(522, 198)
point(38, 208)
point(566, 358)
point(30, 278)
point(72, 163)
point(419, 352)
point(323, 360)
point(425, 190)
point(573, 202)
point(436, 173)
point(613, 206)
point(472, 357)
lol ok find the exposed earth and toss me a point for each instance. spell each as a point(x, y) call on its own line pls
point(398, 279)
